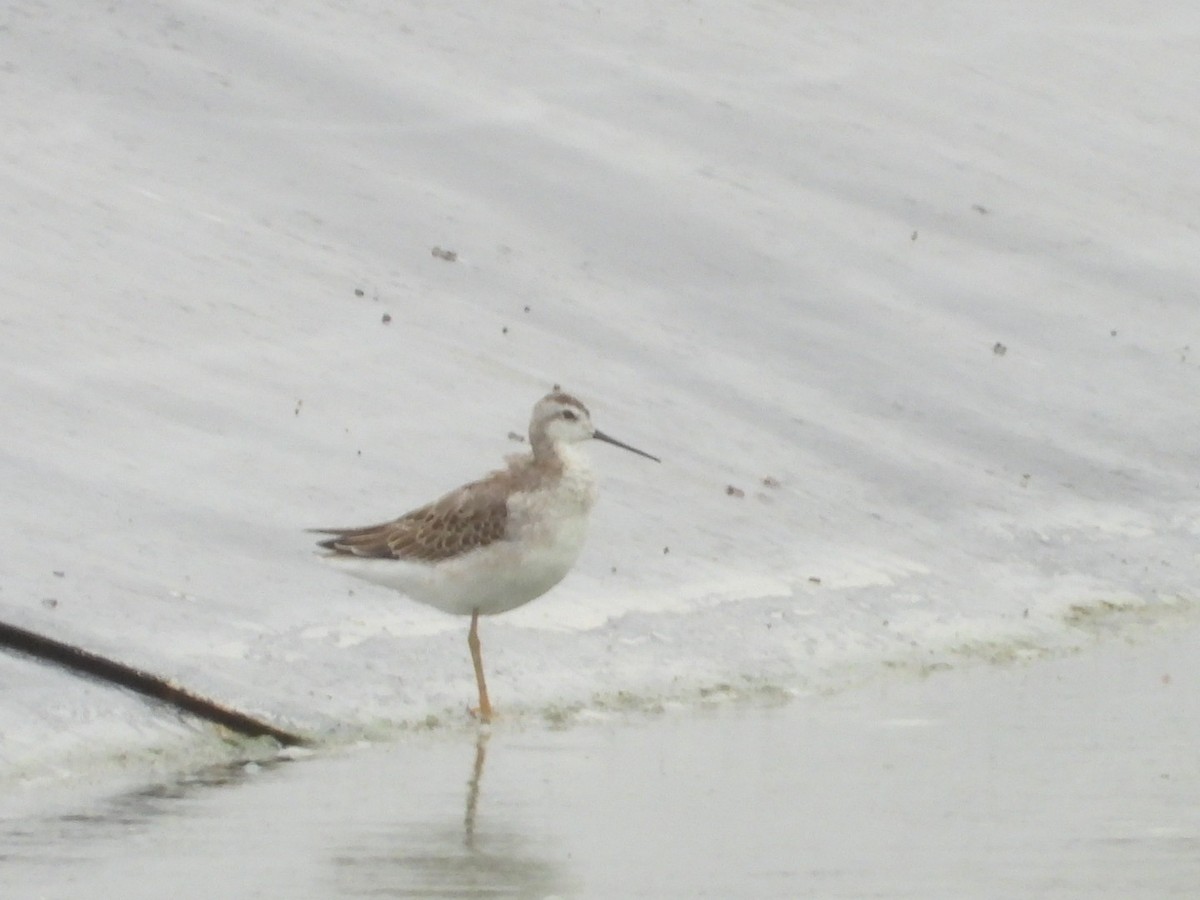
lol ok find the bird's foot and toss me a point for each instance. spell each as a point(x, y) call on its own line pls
point(483, 713)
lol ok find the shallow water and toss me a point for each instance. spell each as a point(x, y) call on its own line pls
point(1069, 778)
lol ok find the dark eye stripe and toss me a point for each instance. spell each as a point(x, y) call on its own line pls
point(567, 400)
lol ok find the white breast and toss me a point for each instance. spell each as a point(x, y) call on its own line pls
point(547, 526)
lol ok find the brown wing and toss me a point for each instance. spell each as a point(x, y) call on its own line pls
point(473, 516)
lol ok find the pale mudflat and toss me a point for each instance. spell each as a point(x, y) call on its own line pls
point(1070, 778)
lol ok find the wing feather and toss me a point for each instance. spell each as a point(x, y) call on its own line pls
point(466, 519)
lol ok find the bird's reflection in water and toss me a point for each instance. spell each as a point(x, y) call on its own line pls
point(426, 856)
point(481, 742)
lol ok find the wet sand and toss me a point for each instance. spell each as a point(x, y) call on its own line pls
point(1076, 777)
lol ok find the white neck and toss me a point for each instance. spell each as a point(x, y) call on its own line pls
point(577, 478)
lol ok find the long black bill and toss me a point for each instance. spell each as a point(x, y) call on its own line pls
point(601, 436)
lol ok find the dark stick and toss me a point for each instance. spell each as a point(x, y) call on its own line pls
point(85, 662)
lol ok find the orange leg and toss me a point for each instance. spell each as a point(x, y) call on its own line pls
point(485, 706)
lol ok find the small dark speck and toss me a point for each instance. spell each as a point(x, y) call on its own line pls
point(1113, 333)
point(359, 452)
point(814, 579)
point(734, 491)
point(557, 387)
point(447, 255)
point(999, 349)
point(59, 573)
point(914, 236)
point(614, 570)
point(666, 550)
point(358, 292)
point(49, 603)
point(519, 438)
point(296, 411)
point(387, 317)
point(980, 208)
point(527, 309)
point(770, 482)
point(504, 330)
point(1025, 614)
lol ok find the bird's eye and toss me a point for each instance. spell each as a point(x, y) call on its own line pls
point(569, 416)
